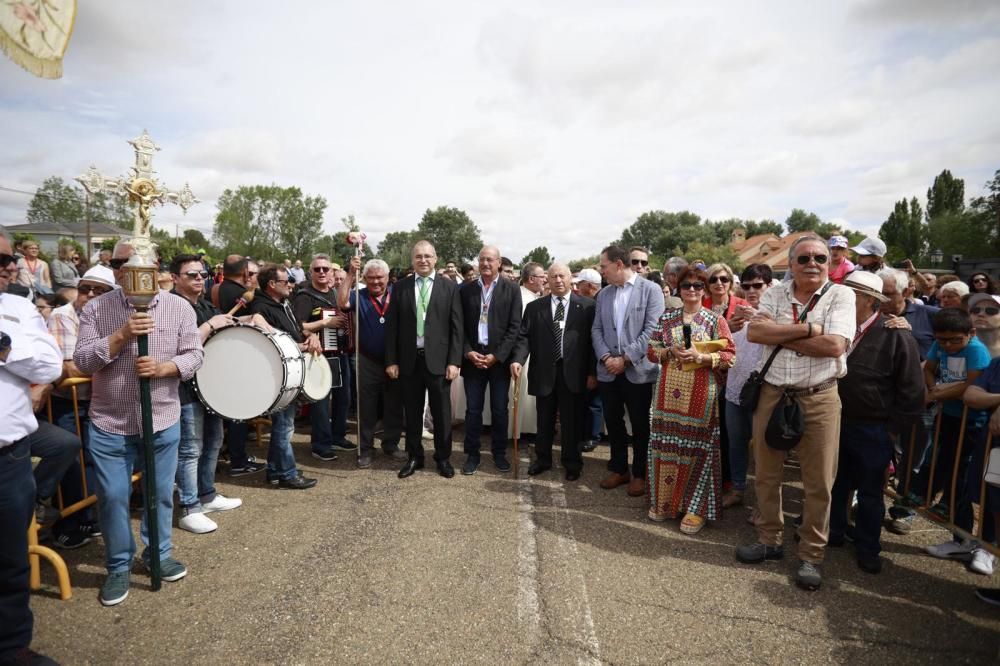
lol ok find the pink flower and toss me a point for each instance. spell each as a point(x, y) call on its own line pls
point(28, 15)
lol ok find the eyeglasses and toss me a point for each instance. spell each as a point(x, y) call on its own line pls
point(322, 269)
point(194, 275)
point(724, 279)
point(88, 288)
point(804, 259)
point(987, 310)
point(118, 263)
point(697, 286)
point(754, 285)
point(280, 281)
point(640, 262)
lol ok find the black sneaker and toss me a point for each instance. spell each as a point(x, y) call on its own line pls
point(296, 483)
point(470, 466)
point(345, 445)
point(71, 540)
point(757, 552)
point(325, 457)
point(252, 467)
point(91, 529)
point(871, 564)
point(501, 463)
point(988, 595)
point(588, 446)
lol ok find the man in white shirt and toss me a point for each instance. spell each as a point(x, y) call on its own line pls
point(28, 355)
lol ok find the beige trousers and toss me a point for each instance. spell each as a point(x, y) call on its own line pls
point(817, 454)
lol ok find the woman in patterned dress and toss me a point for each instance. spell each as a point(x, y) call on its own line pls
point(685, 469)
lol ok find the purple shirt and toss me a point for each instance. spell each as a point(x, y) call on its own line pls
point(114, 404)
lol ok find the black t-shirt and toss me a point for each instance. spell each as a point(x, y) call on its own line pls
point(308, 305)
point(203, 311)
point(229, 294)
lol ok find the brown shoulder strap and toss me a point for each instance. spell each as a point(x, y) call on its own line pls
point(215, 295)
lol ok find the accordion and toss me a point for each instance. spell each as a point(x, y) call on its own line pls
point(329, 337)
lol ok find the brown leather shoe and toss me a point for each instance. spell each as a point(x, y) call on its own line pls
point(637, 487)
point(614, 480)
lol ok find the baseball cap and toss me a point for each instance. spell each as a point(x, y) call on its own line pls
point(979, 298)
point(590, 275)
point(870, 247)
point(838, 241)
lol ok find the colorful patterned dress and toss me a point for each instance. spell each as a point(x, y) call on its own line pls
point(685, 467)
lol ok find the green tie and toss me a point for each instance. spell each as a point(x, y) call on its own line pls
point(422, 306)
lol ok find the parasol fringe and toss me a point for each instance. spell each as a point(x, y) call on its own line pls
point(44, 68)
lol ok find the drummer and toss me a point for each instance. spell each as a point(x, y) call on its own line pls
point(271, 302)
point(201, 433)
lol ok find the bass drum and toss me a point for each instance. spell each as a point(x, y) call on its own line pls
point(318, 381)
point(249, 372)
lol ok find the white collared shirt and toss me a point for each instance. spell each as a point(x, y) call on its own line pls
point(554, 303)
point(485, 302)
point(34, 358)
point(622, 296)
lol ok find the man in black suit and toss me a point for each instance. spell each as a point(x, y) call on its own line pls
point(556, 332)
point(491, 315)
point(423, 348)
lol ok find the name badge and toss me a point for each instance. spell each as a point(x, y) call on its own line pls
point(562, 324)
point(483, 318)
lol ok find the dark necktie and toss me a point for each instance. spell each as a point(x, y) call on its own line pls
point(560, 315)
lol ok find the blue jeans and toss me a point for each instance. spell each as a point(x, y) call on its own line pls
point(739, 428)
point(57, 449)
point(328, 417)
point(476, 381)
point(17, 505)
point(595, 415)
point(280, 457)
point(115, 456)
point(72, 486)
point(201, 440)
point(865, 452)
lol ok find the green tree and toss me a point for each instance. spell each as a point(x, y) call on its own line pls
point(724, 228)
point(585, 262)
point(986, 208)
point(56, 202)
point(676, 240)
point(904, 232)
point(713, 253)
point(455, 237)
point(196, 239)
point(946, 195)
point(540, 255)
point(650, 226)
point(395, 248)
point(800, 220)
point(958, 232)
point(268, 222)
point(111, 209)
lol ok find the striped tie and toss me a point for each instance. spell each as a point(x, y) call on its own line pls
point(560, 315)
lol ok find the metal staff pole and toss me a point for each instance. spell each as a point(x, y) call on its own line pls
point(149, 477)
point(357, 239)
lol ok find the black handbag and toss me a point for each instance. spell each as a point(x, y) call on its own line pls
point(786, 425)
point(750, 393)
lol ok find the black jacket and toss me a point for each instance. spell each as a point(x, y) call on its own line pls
point(884, 382)
point(442, 327)
point(537, 338)
point(278, 315)
point(503, 320)
point(203, 311)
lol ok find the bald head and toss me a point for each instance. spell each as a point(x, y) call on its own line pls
point(489, 263)
point(560, 279)
point(424, 258)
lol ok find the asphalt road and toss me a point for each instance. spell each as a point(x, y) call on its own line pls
point(367, 568)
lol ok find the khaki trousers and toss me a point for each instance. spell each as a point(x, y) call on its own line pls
point(817, 453)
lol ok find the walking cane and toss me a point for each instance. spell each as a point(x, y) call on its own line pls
point(517, 428)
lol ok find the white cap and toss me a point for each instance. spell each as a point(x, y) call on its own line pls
point(590, 275)
point(870, 247)
point(99, 274)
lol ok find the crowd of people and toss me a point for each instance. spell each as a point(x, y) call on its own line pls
point(695, 373)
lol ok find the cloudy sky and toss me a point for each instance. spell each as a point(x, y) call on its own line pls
point(553, 123)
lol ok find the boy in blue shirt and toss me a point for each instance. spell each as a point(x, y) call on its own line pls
point(955, 360)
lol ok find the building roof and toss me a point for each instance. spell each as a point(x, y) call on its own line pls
point(768, 249)
point(71, 229)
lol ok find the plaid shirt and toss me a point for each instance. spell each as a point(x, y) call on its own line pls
point(114, 405)
point(64, 325)
point(835, 311)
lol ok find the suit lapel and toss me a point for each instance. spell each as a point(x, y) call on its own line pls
point(632, 298)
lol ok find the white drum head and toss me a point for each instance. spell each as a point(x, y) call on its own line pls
point(242, 374)
point(318, 379)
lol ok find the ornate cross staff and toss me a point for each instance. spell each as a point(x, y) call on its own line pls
point(143, 191)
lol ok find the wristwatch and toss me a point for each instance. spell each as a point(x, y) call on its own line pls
point(5, 345)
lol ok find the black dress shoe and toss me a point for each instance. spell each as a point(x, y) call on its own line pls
point(411, 466)
point(445, 469)
point(501, 463)
point(588, 446)
point(537, 468)
point(572, 475)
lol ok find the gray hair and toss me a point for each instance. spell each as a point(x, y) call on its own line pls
point(901, 279)
point(956, 286)
point(324, 257)
point(803, 239)
point(376, 264)
point(675, 265)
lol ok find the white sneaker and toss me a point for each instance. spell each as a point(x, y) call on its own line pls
point(221, 503)
point(951, 550)
point(983, 561)
point(428, 435)
point(198, 523)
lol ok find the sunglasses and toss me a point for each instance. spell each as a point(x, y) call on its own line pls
point(194, 275)
point(88, 288)
point(987, 310)
point(724, 279)
point(804, 259)
point(6, 259)
point(697, 286)
point(980, 279)
point(322, 269)
point(754, 285)
point(118, 263)
point(640, 262)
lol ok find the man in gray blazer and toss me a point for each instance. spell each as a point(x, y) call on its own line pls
point(627, 311)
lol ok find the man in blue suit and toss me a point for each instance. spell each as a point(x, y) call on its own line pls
point(627, 312)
